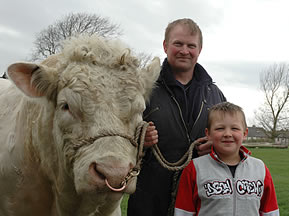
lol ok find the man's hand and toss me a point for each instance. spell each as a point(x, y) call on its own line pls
point(203, 146)
point(151, 137)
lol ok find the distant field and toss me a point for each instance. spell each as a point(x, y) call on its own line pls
point(124, 205)
point(277, 160)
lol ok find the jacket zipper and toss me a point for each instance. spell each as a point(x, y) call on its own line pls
point(152, 111)
point(235, 192)
point(233, 186)
point(184, 123)
point(199, 114)
point(180, 111)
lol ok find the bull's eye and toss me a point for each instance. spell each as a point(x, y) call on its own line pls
point(65, 107)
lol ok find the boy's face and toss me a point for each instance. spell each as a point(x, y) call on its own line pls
point(227, 133)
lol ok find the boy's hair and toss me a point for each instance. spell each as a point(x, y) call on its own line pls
point(225, 107)
point(194, 28)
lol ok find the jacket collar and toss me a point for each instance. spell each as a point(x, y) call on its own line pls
point(243, 151)
point(166, 75)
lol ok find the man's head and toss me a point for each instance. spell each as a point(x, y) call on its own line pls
point(190, 24)
point(227, 129)
point(182, 44)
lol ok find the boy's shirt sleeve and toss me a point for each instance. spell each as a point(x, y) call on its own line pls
point(269, 205)
point(187, 196)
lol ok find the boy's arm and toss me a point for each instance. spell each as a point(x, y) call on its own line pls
point(269, 205)
point(187, 192)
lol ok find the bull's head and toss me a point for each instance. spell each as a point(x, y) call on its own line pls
point(95, 92)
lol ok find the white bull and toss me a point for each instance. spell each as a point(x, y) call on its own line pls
point(66, 128)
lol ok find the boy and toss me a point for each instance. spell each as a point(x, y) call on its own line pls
point(227, 181)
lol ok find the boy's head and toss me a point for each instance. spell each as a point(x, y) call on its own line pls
point(225, 108)
point(227, 129)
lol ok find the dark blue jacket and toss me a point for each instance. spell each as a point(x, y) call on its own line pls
point(180, 116)
point(180, 119)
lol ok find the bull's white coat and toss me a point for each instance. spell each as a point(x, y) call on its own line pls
point(93, 85)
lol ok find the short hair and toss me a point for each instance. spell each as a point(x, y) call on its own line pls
point(193, 27)
point(225, 107)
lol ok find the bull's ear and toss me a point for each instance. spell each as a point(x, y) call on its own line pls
point(21, 75)
point(150, 76)
point(32, 79)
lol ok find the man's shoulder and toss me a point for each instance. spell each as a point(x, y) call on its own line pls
point(213, 86)
point(214, 92)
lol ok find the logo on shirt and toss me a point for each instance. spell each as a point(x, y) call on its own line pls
point(242, 186)
point(249, 187)
point(218, 188)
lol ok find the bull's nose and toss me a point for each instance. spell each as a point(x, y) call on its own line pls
point(113, 173)
point(95, 174)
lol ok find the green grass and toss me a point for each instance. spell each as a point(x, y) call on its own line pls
point(277, 160)
point(124, 205)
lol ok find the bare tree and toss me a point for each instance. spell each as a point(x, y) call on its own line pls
point(144, 58)
point(48, 41)
point(273, 115)
point(4, 76)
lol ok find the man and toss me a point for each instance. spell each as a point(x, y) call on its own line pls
point(178, 112)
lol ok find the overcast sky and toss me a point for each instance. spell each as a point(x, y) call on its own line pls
point(241, 38)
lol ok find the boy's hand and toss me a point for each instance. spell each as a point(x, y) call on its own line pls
point(151, 136)
point(203, 146)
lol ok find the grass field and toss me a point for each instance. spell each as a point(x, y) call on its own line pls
point(277, 160)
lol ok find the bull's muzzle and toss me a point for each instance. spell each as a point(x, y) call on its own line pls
point(132, 173)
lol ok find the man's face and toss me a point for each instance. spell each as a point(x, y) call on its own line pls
point(227, 133)
point(182, 49)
